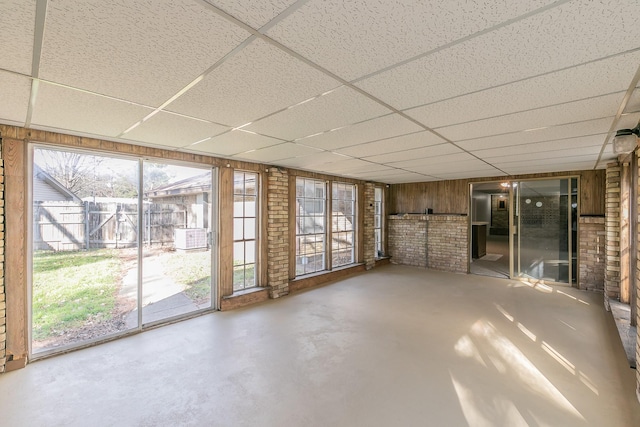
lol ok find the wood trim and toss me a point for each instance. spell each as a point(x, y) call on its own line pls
point(263, 236)
point(324, 277)
point(17, 322)
point(250, 297)
point(225, 189)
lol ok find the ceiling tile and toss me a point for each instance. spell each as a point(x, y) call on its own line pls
point(257, 81)
point(274, 153)
point(312, 160)
point(443, 161)
point(543, 117)
point(392, 145)
point(577, 145)
point(234, 142)
point(469, 174)
point(553, 133)
point(563, 86)
point(547, 167)
point(254, 13)
point(341, 107)
point(344, 165)
point(633, 105)
point(16, 91)
point(371, 130)
point(628, 121)
point(570, 34)
point(358, 37)
point(172, 130)
point(593, 150)
point(408, 177)
point(417, 153)
point(67, 109)
point(17, 19)
point(143, 52)
point(545, 162)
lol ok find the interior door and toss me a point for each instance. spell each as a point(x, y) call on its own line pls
point(543, 235)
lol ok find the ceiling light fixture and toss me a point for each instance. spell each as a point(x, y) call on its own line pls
point(626, 140)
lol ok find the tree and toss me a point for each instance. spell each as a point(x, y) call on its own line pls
point(75, 171)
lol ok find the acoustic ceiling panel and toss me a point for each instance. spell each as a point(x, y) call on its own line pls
point(340, 107)
point(577, 153)
point(251, 12)
point(588, 109)
point(67, 109)
point(633, 105)
point(359, 37)
point(370, 130)
point(549, 167)
point(392, 145)
point(570, 34)
point(509, 163)
point(416, 153)
point(234, 142)
point(138, 51)
point(448, 162)
point(257, 81)
point(312, 160)
point(553, 133)
point(576, 145)
point(274, 153)
point(17, 19)
point(173, 131)
point(550, 89)
point(15, 98)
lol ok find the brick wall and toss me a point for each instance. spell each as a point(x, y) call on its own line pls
point(448, 243)
point(612, 227)
point(407, 239)
point(278, 232)
point(3, 311)
point(434, 241)
point(369, 232)
point(592, 253)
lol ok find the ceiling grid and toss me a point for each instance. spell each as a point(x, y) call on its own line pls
point(384, 90)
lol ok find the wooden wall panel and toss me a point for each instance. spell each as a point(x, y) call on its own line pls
point(452, 197)
point(15, 162)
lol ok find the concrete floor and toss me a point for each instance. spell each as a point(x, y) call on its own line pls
point(397, 346)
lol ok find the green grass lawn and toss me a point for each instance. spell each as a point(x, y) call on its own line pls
point(192, 270)
point(71, 288)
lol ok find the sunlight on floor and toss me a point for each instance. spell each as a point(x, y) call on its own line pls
point(485, 340)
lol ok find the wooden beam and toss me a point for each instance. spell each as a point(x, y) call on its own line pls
point(225, 188)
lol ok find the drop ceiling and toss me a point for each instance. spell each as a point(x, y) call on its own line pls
point(386, 90)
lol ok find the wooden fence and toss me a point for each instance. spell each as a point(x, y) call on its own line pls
point(70, 226)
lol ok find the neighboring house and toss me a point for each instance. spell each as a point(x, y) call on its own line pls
point(192, 194)
point(47, 189)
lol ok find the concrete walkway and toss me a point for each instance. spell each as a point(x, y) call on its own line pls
point(394, 346)
point(161, 296)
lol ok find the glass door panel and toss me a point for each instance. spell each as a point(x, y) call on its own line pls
point(84, 248)
point(542, 239)
point(176, 255)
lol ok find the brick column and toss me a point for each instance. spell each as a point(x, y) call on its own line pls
point(448, 237)
point(592, 253)
point(3, 311)
point(278, 232)
point(369, 230)
point(612, 227)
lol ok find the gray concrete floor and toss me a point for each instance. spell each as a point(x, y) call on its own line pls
point(394, 346)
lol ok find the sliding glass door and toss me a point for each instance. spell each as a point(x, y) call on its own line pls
point(544, 229)
point(117, 243)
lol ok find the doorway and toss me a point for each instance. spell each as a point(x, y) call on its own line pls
point(525, 229)
point(490, 254)
point(117, 244)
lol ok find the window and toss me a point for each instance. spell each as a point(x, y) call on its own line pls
point(245, 209)
point(311, 199)
point(378, 213)
point(343, 203)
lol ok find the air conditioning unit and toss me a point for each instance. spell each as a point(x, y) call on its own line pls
point(190, 238)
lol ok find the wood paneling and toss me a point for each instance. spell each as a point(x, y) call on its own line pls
point(236, 301)
point(452, 197)
point(292, 227)
point(360, 213)
point(225, 188)
point(14, 155)
point(319, 279)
